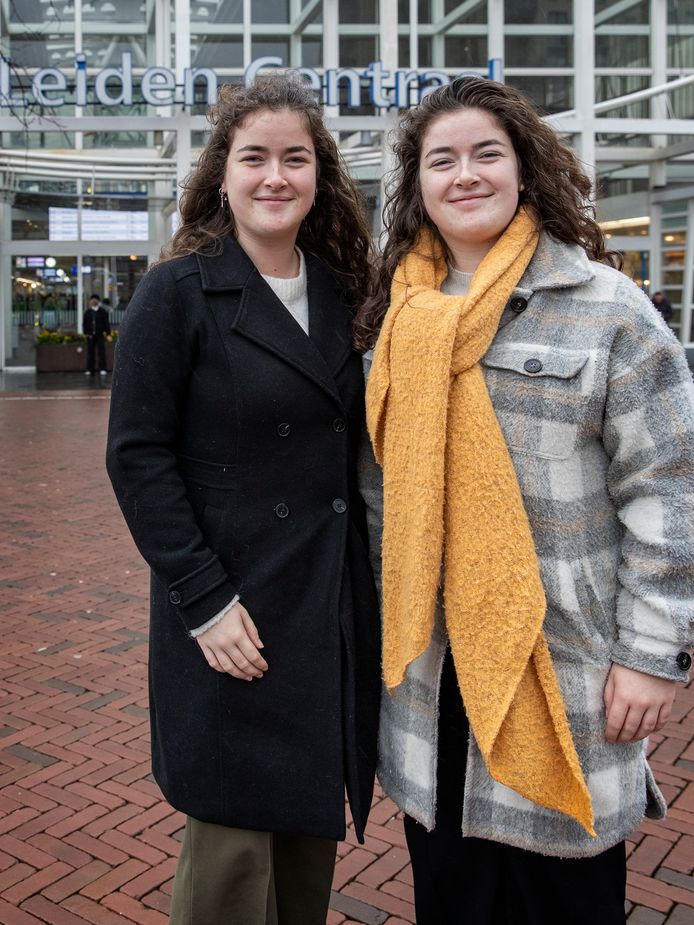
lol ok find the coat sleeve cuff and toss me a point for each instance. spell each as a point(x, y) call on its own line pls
point(217, 618)
point(651, 656)
point(200, 595)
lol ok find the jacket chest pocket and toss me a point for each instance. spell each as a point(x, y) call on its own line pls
point(539, 396)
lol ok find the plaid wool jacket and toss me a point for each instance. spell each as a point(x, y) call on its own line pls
point(596, 403)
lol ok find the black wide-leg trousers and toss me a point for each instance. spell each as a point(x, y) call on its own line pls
point(471, 881)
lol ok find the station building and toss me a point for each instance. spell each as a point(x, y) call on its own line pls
point(102, 114)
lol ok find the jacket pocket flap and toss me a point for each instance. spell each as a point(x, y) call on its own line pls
point(535, 362)
point(213, 475)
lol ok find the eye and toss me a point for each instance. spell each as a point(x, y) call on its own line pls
point(251, 159)
point(489, 155)
point(441, 162)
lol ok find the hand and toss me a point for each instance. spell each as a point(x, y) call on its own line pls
point(637, 704)
point(232, 645)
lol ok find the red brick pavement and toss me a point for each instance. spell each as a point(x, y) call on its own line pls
point(85, 836)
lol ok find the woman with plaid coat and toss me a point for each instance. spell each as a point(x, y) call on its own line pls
point(595, 405)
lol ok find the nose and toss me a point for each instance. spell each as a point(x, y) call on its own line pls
point(467, 175)
point(275, 178)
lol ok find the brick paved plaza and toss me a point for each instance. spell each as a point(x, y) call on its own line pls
point(85, 836)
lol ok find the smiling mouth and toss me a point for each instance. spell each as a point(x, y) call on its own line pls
point(471, 198)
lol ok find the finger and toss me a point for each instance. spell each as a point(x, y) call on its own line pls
point(210, 658)
point(251, 628)
point(221, 662)
point(608, 694)
point(250, 653)
point(663, 715)
point(648, 724)
point(616, 715)
point(631, 723)
point(245, 663)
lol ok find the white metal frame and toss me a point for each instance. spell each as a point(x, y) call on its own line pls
point(667, 140)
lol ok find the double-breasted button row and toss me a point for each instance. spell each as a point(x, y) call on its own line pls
point(282, 510)
point(284, 429)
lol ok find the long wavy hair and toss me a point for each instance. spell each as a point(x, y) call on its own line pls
point(556, 189)
point(334, 230)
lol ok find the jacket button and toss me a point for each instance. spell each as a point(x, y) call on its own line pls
point(532, 366)
point(284, 430)
point(282, 510)
point(339, 425)
point(684, 661)
point(174, 597)
point(518, 304)
point(339, 506)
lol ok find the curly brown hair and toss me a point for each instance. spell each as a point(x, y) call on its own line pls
point(556, 190)
point(335, 229)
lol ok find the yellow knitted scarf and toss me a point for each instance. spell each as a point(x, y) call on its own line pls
point(450, 490)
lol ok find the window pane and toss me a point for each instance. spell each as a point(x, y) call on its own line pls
point(217, 51)
point(539, 51)
point(680, 13)
point(533, 11)
point(269, 11)
point(639, 14)
point(477, 15)
point(680, 51)
point(358, 11)
point(621, 51)
point(466, 51)
point(357, 51)
point(550, 94)
point(270, 45)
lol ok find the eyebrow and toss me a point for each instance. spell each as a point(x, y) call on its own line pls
point(446, 149)
point(292, 150)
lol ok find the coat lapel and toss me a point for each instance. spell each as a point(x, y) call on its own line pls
point(263, 319)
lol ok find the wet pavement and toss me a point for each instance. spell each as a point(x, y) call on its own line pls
point(85, 836)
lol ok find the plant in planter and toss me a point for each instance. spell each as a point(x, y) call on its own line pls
point(64, 352)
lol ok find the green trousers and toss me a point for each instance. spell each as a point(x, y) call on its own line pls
point(231, 876)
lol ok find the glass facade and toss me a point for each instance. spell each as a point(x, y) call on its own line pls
point(102, 111)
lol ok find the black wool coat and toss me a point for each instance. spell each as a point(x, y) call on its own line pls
point(232, 451)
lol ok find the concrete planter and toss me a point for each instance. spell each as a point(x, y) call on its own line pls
point(66, 358)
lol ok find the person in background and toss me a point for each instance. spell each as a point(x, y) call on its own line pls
point(236, 411)
point(535, 425)
point(96, 327)
point(662, 303)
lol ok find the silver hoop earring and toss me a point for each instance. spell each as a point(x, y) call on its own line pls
point(222, 198)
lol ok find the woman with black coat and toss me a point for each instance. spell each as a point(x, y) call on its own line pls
point(236, 409)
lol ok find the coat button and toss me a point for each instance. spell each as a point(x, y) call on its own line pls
point(532, 366)
point(174, 597)
point(282, 510)
point(684, 661)
point(339, 425)
point(518, 304)
point(284, 430)
point(339, 506)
